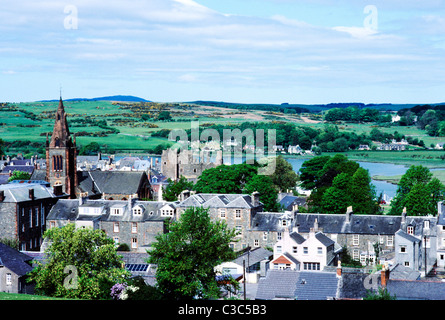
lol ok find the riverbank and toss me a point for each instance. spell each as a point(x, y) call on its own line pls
point(437, 173)
point(427, 158)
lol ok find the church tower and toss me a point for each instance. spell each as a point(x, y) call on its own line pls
point(61, 155)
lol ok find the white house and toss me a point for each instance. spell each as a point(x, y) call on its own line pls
point(313, 252)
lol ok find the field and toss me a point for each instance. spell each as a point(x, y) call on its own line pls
point(32, 121)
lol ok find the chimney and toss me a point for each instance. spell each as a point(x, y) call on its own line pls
point(31, 194)
point(348, 214)
point(255, 199)
point(339, 269)
point(384, 275)
point(81, 200)
point(2, 195)
point(184, 195)
point(404, 215)
point(58, 190)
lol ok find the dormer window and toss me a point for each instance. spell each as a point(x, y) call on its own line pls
point(137, 211)
point(167, 211)
point(410, 230)
point(116, 211)
point(283, 223)
point(426, 224)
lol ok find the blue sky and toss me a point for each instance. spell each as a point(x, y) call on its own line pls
point(253, 51)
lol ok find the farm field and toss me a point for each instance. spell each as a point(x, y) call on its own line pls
point(33, 120)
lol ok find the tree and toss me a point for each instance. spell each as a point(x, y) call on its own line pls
point(268, 194)
point(284, 177)
point(336, 198)
point(174, 188)
point(362, 193)
point(381, 294)
point(19, 175)
point(164, 116)
point(81, 263)
point(187, 254)
point(225, 179)
point(90, 149)
point(418, 192)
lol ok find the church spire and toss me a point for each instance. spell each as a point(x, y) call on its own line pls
point(61, 132)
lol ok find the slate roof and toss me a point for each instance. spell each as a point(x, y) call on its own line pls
point(300, 285)
point(269, 221)
point(14, 260)
point(110, 182)
point(288, 201)
point(12, 168)
point(210, 200)
point(16, 192)
point(416, 290)
point(253, 256)
point(38, 174)
point(358, 224)
point(68, 209)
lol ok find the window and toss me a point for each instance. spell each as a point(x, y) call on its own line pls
point(116, 227)
point(305, 250)
point(406, 263)
point(237, 214)
point(355, 240)
point(319, 250)
point(116, 240)
point(311, 266)
point(167, 212)
point(279, 237)
point(222, 213)
point(410, 230)
point(294, 249)
point(134, 227)
point(256, 243)
point(390, 241)
point(426, 224)
point(381, 240)
point(279, 249)
point(30, 217)
point(283, 223)
point(265, 236)
point(355, 254)
point(8, 279)
point(238, 230)
point(402, 249)
point(134, 243)
point(52, 224)
point(116, 211)
point(137, 211)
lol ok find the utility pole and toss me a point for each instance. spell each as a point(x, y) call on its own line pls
point(424, 240)
point(244, 277)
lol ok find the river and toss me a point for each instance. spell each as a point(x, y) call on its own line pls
point(374, 168)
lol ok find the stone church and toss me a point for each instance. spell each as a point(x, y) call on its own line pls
point(62, 175)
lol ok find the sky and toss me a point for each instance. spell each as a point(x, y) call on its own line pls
point(246, 51)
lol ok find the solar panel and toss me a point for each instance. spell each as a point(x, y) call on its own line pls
point(136, 267)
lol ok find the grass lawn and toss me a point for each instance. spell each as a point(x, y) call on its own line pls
point(17, 296)
point(439, 174)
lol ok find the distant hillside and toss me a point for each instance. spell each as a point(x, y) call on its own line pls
point(108, 98)
point(300, 108)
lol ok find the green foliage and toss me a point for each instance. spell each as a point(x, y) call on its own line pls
point(90, 149)
point(338, 183)
point(89, 253)
point(174, 188)
point(187, 254)
point(19, 175)
point(381, 294)
point(418, 192)
point(267, 193)
point(284, 177)
point(225, 179)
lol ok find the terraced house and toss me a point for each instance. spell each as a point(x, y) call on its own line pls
point(132, 222)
